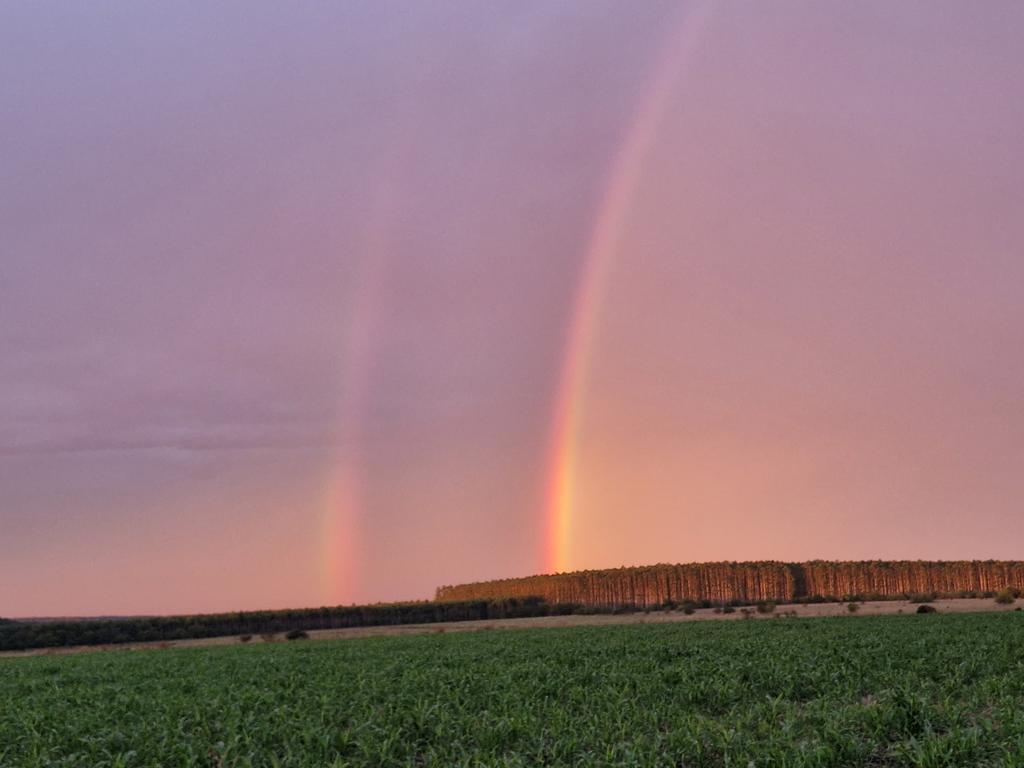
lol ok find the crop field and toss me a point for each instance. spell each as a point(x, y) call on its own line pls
point(939, 690)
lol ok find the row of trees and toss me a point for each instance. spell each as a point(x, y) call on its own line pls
point(902, 577)
point(618, 589)
point(752, 582)
point(22, 635)
point(645, 586)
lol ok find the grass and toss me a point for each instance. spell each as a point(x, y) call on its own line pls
point(944, 690)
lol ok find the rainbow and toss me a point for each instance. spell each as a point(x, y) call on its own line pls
point(562, 481)
point(343, 503)
point(343, 507)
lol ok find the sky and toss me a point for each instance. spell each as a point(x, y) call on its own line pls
point(339, 302)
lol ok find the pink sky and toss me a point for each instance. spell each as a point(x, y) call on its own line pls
point(286, 298)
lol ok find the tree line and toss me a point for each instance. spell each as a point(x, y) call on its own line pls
point(753, 582)
point(20, 635)
point(595, 591)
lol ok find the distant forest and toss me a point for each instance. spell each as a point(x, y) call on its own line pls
point(604, 591)
point(752, 582)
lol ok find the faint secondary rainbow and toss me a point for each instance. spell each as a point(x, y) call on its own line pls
point(562, 481)
point(345, 515)
point(343, 506)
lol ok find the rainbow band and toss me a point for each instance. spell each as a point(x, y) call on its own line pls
point(343, 531)
point(562, 480)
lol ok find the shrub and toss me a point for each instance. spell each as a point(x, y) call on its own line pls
point(728, 609)
point(689, 608)
point(269, 637)
point(245, 638)
point(297, 634)
point(926, 609)
point(1005, 596)
point(852, 607)
point(816, 599)
point(768, 607)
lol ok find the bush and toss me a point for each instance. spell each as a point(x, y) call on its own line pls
point(245, 638)
point(852, 607)
point(768, 607)
point(812, 599)
point(728, 609)
point(297, 634)
point(269, 637)
point(926, 609)
point(689, 608)
point(1005, 597)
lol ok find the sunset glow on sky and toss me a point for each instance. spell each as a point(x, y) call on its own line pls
point(340, 304)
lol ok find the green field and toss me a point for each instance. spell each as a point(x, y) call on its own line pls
point(900, 690)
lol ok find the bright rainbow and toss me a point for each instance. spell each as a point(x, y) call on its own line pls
point(562, 480)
